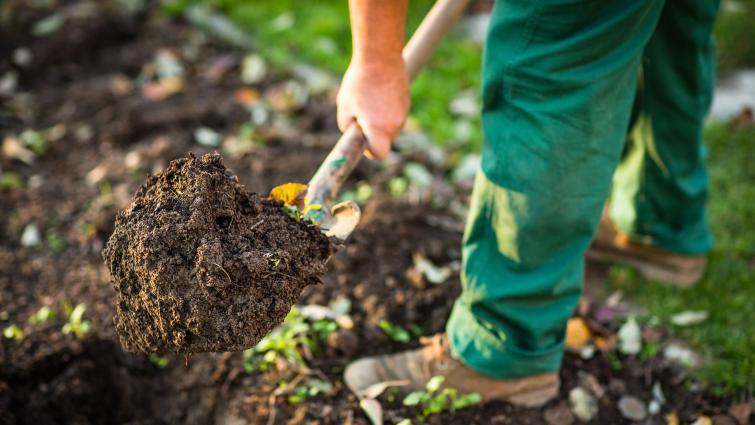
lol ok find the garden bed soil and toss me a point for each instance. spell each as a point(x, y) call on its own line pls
point(112, 137)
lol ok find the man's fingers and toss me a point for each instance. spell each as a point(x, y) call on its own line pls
point(344, 118)
point(378, 142)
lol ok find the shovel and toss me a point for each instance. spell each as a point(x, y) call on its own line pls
point(340, 220)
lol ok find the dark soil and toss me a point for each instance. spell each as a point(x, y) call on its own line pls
point(52, 378)
point(199, 264)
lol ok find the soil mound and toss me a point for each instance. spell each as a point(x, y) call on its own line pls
point(200, 264)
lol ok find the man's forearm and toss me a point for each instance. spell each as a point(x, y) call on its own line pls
point(377, 28)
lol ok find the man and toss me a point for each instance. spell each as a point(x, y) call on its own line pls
point(563, 81)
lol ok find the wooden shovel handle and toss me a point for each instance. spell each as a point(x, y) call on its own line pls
point(347, 152)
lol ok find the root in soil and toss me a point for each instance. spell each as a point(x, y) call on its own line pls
point(199, 264)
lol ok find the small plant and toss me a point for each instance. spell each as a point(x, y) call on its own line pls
point(323, 328)
point(433, 400)
point(158, 361)
point(286, 343)
point(361, 194)
point(310, 388)
point(10, 181)
point(34, 141)
point(13, 332)
point(297, 215)
point(54, 241)
point(273, 258)
point(397, 186)
point(283, 344)
point(44, 314)
point(396, 332)
point(76, 325)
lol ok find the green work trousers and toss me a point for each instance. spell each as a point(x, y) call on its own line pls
point(571, 89)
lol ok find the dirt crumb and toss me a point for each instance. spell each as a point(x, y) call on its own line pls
point(199, 264)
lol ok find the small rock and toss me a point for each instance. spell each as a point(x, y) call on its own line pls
point(316, 80)
point(30, 236)
point(559, 414)
point(465, 172)
point(587, 352)
point(253, 69)
point(8, 83)
point(654, 407)
point(617, 386)
point(344, 341)
point(632, 408)
point(96, 174)
point(207, 137)
point(588, 381)
point(682, 355)
point(465, 104)
point(583, 404)
point(22, 57)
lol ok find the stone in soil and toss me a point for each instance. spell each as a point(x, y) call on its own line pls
point(200, 264)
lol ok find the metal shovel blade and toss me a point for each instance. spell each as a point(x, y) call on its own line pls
point(342, 221)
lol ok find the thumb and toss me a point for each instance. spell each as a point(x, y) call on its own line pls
point(378, 142)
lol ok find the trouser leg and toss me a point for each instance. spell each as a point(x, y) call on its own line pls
point(661, 186)
point(559, 79)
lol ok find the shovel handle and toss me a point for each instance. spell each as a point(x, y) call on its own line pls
point(349, 149)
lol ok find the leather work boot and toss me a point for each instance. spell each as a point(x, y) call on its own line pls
point(416, 367)
point(612, 246)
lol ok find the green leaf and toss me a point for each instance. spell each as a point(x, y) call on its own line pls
point(34, 141)
point(78, 313)
point(434, 383)
point(436, 404)
point(42, 315)
point(48, 25)
point(406, 421)
point(467, 400)
point(396, 332)
point(414, 398)
point(13, 332)
point(158, 361)
point(10, 181)
point(397, 186)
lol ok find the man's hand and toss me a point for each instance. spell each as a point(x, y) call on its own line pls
point(376, 96)
point(374, 92)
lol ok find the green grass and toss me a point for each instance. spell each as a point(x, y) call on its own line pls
point(288, 31)
point(318, 33)
point(727, 338)
point(734, 35)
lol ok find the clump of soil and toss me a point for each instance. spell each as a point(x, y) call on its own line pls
point(199, 264)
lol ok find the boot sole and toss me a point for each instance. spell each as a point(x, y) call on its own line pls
point(534, 398)
point(649, 271)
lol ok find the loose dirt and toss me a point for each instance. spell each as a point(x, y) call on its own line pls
point(200, 264)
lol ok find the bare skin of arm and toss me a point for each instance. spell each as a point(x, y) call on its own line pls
point(374, 92)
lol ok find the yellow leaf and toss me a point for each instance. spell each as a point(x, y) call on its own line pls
point(289, 193)
point(672, 419)
point(577, 334)
point(703, 420)
point(605, 343)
